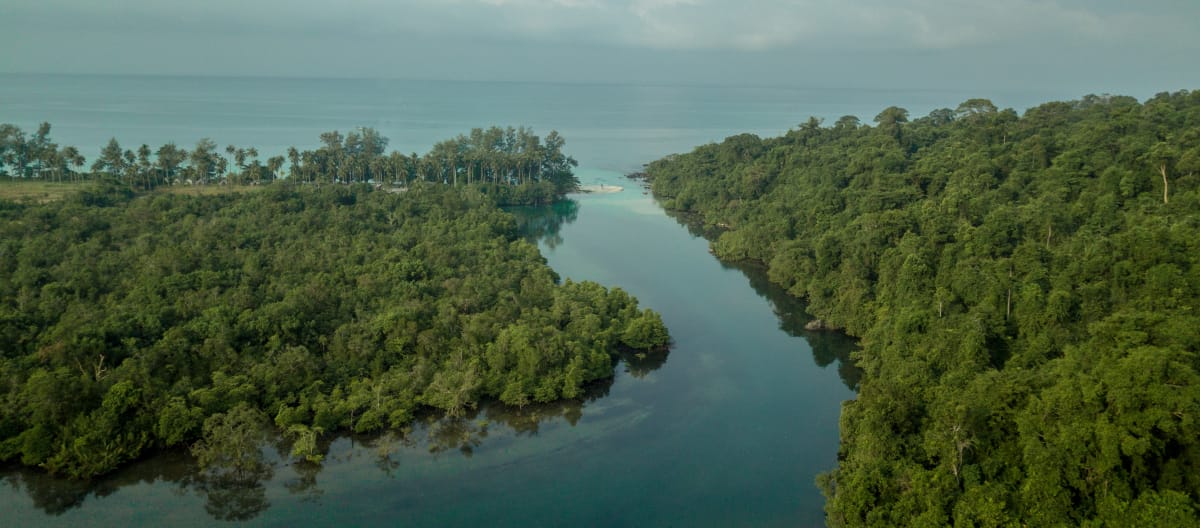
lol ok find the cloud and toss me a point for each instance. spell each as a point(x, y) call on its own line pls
point(876, 24)
point(747, 25)
point(1016, 42)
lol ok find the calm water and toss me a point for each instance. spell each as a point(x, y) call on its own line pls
point(616, 127)
point(729, 429)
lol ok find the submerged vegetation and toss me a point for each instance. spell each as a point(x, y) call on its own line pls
point(1025, 289)
point(131, 322)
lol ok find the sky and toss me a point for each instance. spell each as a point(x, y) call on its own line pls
point(1072, 46)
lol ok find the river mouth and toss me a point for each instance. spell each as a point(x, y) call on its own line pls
point(729, 427)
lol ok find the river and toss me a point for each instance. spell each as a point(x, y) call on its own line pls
point(730, 428)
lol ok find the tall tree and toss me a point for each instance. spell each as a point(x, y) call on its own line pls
point(169, 160)
point(205, 163)
point(1163, 156)
point(111, 161)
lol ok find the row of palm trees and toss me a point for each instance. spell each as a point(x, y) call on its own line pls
point(36, 157)
point(503, 156)
point(495, 155)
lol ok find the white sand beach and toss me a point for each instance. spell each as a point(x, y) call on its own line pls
point(601, 189)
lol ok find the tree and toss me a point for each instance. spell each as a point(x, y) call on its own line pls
point(891, 119)
point(12, 149)
point(70, 155)
point(1163, 155)
point(847, 122)
point(233, 440)
point(305, 442)
point(274, 163)
point(293, 164)
point(169, 159)
point(234, 156)
point(42, 150)
point(645, 332)
point(205, 164)
point(111, 162)
point(144, 166)
point(974, 108)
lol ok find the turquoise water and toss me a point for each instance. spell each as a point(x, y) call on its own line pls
point(729, 429)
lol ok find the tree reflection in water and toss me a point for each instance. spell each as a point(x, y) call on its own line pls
point(237, 489)
point(234, 496)
point(827, 346)
point(304, 484)
point(386, 445)
point(543, 223)
point(56, 496)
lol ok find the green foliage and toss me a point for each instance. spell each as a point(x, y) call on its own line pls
point(512, 165)
point(1025, 290)
point(136, 322)
point(233, 440)
point(645, 332)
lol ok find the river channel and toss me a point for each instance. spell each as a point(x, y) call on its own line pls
point(728, 429)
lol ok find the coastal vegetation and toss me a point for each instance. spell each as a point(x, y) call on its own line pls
point(513, 164)
point(1024, 288)
point(132, 321)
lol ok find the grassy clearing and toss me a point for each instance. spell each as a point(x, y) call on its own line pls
point(38, 191)
point(208, 190)
point(43, 191)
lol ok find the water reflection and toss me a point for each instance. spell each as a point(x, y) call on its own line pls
point(242, 493)
point(234, 497)
point(467, 433)
point(304, 484)
point(56, 496)
point(827, 347)
point(543, 223)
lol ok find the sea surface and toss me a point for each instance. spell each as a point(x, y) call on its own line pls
point(730, 428)
point(607, 126)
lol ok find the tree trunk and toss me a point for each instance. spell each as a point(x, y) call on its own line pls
point(1008, 303)
point(1162, 168)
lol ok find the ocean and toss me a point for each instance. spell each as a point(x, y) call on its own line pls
point(607, 126)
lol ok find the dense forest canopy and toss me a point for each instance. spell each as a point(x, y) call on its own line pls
point(134, 322)
point(1025, 289)
point(513, 164)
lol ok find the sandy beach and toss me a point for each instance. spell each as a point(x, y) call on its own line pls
point(601, 189)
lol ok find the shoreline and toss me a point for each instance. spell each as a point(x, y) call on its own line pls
point(599, 189)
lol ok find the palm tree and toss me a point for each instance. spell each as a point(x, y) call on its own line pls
point(143, 164)
point(231, 151)
point(294, 160)
point(71, 155)
point(274, 163)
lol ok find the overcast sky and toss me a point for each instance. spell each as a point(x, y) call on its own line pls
point(1071, 46)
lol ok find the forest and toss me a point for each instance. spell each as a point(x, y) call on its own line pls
point(514, 165)
point(1024, 288)
point(134, 321)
